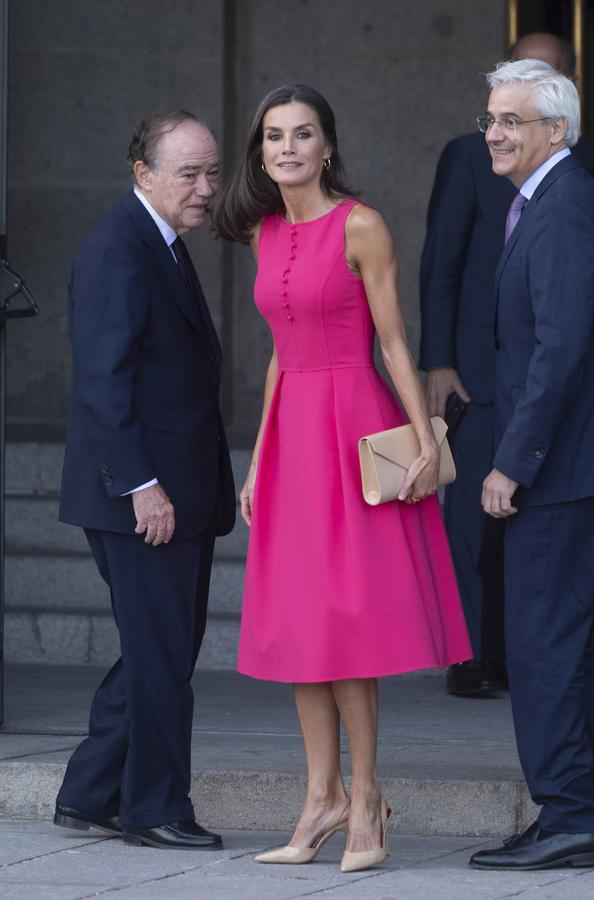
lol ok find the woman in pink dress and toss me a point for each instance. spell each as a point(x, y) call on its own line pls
point(337, 593)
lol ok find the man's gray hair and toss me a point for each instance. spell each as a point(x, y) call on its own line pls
point(149, 132)
point(555, 95)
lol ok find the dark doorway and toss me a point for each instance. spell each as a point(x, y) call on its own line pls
point(546, 15)
point(571, 19)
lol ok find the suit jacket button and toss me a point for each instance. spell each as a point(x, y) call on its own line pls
point(108, 481)
point(497, 345)
point(538, 452)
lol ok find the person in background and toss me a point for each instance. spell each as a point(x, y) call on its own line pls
point(465, 233)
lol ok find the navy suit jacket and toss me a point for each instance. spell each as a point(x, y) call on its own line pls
point(465, 235)
point(545, 329)
point(146, 380)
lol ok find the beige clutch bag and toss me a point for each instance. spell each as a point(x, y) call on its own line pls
point(386, 456)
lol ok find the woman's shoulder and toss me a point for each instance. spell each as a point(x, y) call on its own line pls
point(364, 220)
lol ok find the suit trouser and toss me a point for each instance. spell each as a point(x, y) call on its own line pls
point(476, 540)
point(549, 624)
point(136, 761)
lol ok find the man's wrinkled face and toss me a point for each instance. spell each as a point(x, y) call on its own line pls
point(184, 178)
point(517, 154)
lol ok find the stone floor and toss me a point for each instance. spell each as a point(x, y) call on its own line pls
point(41, 862)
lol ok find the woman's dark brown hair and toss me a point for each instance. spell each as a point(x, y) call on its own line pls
point(251, 194)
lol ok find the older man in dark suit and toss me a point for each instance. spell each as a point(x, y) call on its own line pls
point(147, 475)
point(542, 481)
point(465, 228)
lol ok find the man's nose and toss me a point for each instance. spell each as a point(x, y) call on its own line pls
point(495, 132)
point(205, 187)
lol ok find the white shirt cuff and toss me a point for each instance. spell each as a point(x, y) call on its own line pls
point(141, 487)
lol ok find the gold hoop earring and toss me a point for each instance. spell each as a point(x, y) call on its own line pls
point(263, 167)
point(327, 164)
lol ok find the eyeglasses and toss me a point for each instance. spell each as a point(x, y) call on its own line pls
point(508, 124)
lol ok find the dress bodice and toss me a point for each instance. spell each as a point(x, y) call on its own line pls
point(315, 306)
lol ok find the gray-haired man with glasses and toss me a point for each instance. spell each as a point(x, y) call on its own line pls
point(541, 483)
point(465, 236)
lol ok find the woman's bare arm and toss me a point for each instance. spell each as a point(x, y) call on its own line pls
point(370, 252)
point(247, 493)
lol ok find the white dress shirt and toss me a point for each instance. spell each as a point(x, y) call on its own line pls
point(530, 185)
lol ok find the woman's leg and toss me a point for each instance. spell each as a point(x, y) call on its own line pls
point(357, 701)
point(326, 795)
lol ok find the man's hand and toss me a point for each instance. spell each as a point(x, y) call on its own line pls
point(498, 491)
point(441, 382)
point(154, 514)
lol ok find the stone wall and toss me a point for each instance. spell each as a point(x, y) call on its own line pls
point(403, 78)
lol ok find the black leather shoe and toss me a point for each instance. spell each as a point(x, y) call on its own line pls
point(66, 817)
point(500, 670)
point(175, 836)
point(472, 679)
point(538, 849)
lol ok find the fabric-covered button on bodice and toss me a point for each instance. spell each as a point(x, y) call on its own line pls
point(315, 306)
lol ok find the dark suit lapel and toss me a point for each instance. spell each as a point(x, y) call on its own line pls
point(165, 265)
point(566, 165)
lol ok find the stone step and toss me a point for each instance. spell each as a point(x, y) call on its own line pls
point(36, 467)
point(58, 611)
point(447, 766)
point(74, 638)
point(32, 526)
point(246, 799)
point(59, 583)
point(57, 606)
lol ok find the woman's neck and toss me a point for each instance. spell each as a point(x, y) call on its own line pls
point(304, 204)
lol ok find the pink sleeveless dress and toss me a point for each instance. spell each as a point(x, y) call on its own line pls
point(334, 588)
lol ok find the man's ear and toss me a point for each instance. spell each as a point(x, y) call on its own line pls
point(142, 174)
point(559, 129)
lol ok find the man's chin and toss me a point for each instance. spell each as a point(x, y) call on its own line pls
point(195, 220)
point(502, 166)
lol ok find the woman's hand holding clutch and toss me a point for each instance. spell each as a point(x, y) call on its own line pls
point(421, 477)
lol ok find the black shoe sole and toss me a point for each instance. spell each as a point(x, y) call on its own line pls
point(579, 861)
point(137, 840)
point(80, 825)
point(486, 692)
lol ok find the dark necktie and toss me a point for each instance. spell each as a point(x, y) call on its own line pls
point(188, 272)
point(513, 216)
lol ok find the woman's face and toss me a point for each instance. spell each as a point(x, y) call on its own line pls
point(293, 146)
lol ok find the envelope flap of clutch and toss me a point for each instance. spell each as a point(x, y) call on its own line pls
point(401, 445)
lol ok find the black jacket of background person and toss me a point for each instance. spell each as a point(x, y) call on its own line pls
point(465, 238)
point(146, 381)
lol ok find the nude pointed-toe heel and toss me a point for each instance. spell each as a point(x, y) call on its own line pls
point(365, 859)
point(295, 856)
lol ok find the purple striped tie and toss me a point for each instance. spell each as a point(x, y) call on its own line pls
point(513, 216)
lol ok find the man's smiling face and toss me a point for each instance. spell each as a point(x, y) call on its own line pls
point(517, 154)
